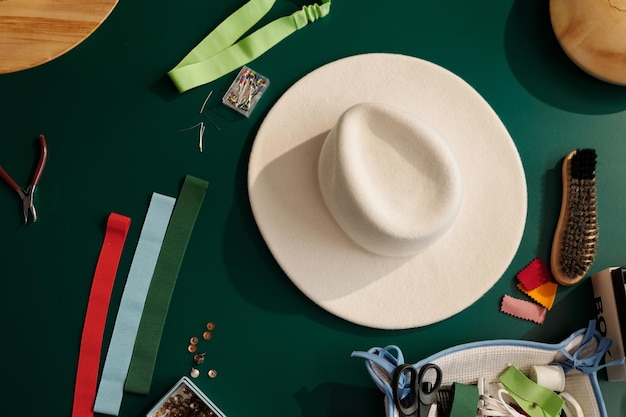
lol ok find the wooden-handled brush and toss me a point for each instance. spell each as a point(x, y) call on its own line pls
point(576, 236)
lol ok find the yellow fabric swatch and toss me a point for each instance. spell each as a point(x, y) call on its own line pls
point(543, 294)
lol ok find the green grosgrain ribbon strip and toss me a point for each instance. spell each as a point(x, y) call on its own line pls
point(218, 54)
point(161, 288)
point(464, 400)
point(535, 400)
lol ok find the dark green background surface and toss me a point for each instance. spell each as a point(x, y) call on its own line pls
point(112, 121)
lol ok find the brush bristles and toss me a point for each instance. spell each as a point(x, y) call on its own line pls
point(583, 164)
point(580, 236)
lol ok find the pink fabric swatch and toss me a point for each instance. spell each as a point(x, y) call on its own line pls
point(523, 309)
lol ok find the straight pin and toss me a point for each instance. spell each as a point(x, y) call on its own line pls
point(190, 127)
point(212, 122)
point(205, 101)
point(201, 139)
point(200, 134)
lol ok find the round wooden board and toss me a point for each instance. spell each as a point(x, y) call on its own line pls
point(33, 32)
point(593, 34)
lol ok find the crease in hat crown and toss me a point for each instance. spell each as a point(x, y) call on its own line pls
point(390, 181)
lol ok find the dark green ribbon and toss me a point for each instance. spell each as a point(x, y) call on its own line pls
point(161, 288)
point(464, 401)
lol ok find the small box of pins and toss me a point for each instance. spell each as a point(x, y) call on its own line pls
point(245, 91)
point(185, 400)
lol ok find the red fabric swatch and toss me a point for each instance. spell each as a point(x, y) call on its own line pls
point(534, 274)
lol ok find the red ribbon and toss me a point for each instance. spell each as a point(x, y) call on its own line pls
point(95, 319)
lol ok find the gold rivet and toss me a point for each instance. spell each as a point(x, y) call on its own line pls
point(207, 335)
point(191, 348)
point(193, 340)
point(210, 326)
point(212, 373)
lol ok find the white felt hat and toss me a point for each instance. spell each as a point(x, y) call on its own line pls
point(388, 190)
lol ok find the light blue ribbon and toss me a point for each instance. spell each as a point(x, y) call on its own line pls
point(381, 364)
point(111, 388)
point(591, 362)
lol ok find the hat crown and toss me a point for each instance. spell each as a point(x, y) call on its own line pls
point(389, 180)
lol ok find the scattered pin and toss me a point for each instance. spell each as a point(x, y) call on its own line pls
point(212, 122)
point(206, 115)
point(200, 135)
point(201, 138)
point(191, 127)
point(205, 101)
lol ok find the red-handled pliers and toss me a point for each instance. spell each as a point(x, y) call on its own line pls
point(28, 194)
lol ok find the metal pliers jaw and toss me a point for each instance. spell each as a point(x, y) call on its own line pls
point(27, 202)
point(27, 194)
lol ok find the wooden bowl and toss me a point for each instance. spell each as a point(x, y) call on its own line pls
point(593, 34)
point(33, 32)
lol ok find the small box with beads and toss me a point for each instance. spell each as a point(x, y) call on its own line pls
point(185, 400)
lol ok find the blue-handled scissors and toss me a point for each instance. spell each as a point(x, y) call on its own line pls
point(412, 394)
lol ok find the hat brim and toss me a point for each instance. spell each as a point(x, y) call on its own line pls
point(341, 277)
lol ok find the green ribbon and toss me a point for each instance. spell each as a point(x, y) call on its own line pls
point(218, 54)
point(464, 400)
point(535, 399)
point(162, 285)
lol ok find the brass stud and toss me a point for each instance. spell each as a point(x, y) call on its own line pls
point(210, 326)
point(191, 348)
point(194, 340)
point(207, 335)
point(212, 373)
